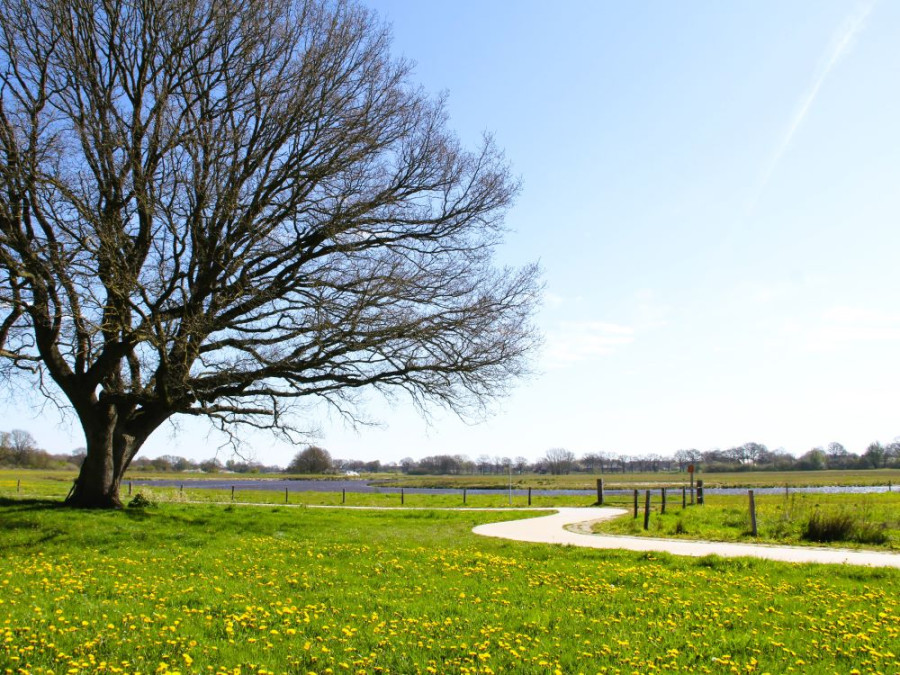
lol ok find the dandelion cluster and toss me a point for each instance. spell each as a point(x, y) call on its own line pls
point(239, 593)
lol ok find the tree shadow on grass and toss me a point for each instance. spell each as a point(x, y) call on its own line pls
point(24, 505)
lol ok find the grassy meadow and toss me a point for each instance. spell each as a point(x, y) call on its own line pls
point(585, 481)
point(274, 589)
point(858, 520)
point(56, 483)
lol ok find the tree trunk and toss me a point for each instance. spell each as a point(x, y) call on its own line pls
point(110, 450)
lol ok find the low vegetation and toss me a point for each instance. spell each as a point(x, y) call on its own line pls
point(854, 520)
point(239, 589)
point(640, 479)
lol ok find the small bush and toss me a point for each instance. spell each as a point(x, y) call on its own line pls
point(139, 501)
point(680, 528)
point(870, 533)
point(829, 527)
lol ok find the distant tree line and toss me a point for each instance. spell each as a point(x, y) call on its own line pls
point(18, 449)
point(746, 457)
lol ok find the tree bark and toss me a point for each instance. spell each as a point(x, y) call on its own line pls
point(110, 449)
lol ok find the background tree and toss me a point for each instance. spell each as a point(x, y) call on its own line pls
point(20, 444)
point(892, 453)
point(312, 459)
point(875, 455)
point(559, 460)
point(591, 461)
point(223, 208)
point(814, 460)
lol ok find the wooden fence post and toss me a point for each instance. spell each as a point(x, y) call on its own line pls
point(285, 496)
point(647, 510)
point(18, 485)
point(600, 491)
point(753, 529)
point(700, 492)
point(529, 496)
point(232, 493)
point(402, 497)
point(662, 508)
point(464, 496)
point(635, 503)
point(343, 495)
point(684, 498)
point(129, 488)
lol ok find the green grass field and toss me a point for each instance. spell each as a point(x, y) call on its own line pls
point(57, 483)
point(274, 589)
point(582, 481)
point(873, 519)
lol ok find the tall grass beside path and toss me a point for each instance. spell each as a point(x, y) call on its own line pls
point(856, 520)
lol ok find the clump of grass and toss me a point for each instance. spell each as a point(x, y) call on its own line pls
point(824, 527)
point(842, 526)
point(140, 501)
point(871, 533)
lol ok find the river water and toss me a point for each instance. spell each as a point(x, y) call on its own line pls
point(364, 486)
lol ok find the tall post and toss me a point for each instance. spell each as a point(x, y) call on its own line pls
point(402, 497)
point(600, 491)
point(635, 503)
point(232, 493)
point(647, 510)
point(700, 492)
point(662, 508)
point(752, 514)
point(509, 467)
point(18, 485)
point(464, 496)
point(343, 495)
point(529, 496)
point(285, 496)
point(129, 488)
point(691, 472)
point(684, 498)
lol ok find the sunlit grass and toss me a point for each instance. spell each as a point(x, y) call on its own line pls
point(583, 481)
point(235, 589)
point(781, 518)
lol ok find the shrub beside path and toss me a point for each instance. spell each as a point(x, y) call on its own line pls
point(562, 528)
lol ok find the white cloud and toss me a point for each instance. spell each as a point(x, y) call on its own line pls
point(578, 341)
point(552, 299)
point(841, 326)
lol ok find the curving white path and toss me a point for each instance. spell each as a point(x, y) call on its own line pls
point(552, 530)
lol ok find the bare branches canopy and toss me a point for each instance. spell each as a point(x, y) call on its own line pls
point(217, 208)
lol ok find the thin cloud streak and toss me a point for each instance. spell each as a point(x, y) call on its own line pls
point(837, 50)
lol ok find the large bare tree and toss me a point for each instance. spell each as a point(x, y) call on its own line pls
point(220, 207)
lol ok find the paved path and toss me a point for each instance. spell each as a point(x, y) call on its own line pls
point(552, 530)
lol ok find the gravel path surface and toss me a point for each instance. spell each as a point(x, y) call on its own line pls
point(552, 529)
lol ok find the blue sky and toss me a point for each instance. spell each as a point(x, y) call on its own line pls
point(713, 192)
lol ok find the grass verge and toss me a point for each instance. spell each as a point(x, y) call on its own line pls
point(845, 520)
point(233, 589)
